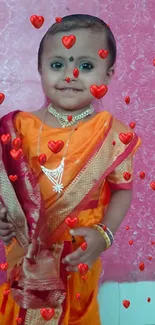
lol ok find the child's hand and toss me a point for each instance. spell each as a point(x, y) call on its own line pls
point(6, 228)
point(95, 246)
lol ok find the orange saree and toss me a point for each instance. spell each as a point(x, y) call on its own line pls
point(93, 166)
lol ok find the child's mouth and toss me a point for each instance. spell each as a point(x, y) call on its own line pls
point(69, 89)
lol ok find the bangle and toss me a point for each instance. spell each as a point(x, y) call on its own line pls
point(108, 231)
point(104, 235)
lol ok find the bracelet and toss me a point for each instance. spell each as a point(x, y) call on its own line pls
point(108, 231)
point(104, 235)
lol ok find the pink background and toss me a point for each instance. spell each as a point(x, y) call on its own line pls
point(133, 25)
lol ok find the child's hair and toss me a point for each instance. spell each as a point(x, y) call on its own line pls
point(81, 21)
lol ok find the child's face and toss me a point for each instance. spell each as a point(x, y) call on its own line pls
point(56, 66)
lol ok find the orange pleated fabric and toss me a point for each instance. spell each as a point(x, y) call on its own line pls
point(82, 142)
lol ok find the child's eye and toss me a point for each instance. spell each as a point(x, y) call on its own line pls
point(86, 66)
point(56, 65)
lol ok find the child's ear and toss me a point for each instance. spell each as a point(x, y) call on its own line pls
point(109, 75)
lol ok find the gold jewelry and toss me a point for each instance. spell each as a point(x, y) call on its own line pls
point(63, 118)
point(55, 175)
point(104, 235)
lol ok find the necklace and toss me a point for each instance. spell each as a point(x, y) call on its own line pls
point(63, 119)
point(55, 175)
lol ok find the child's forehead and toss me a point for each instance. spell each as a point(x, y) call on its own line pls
point(87, 42)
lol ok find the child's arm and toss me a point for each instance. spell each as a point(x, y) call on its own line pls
point(117, 209)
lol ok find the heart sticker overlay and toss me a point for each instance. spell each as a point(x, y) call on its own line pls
point(127, 100)
point(68, 41)
point(152, 185)
point(18, 320)
point(127, 227)
point(83, 268)
point(126, 303)
point(142, 175)
point(16, 154)
point(98, 91)
point(17, 142)
point(4, 266)
point(2, 97)
point(42, 159)
point(5, 138)
point(103, 54)
point(78, 296)
point(132, 125)
point(71, 222)
point(67, 79)
point(126, 176)
point(37, 21)
point(55, 146)
point(75, 73)
point(126, 137)
point(47, 314)
point(69, 118)
point(13, 178)
point(84, 246)
point(58, 19)
point(141, 266)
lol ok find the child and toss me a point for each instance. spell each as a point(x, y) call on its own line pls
point(79, 163)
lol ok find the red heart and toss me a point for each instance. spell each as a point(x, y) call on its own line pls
point(114, 143)
point(142, 175)
point(69, 41)
point(67, 79)
point(127, 227)
point(83, 268)
point(71, 222)
point(126, 176)
point(58, 19)
point(130, 242)
point(69, 118)
point(84, 246)
point(37, 21)
point(16, 154)
point(142, 266)
point(13, 178)
point(132, 125)
point(78, 296)
point(56, 147)
point(18, 320)
point(5, 138)
point(126, 137)
point(103, 54)
point(148, 299)
point(152, 185)
point(42, 159)
point(47, 314)
point(6, 292)
point(75, 73)
point(17, 142)
point(98, 91)
point(154, 62)
point(127, 100)
point(126, 303)
point(4, 266)
point(2, 97)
